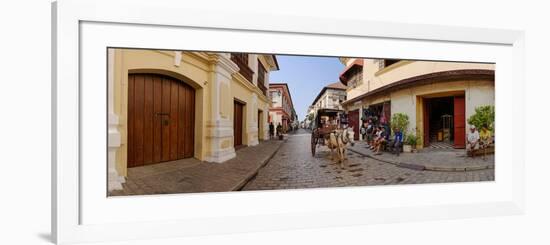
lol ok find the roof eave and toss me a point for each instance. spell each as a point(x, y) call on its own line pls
point(443, 76)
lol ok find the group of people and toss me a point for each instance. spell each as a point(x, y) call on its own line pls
point(478, 140)
point(279, 129)
point(272, 130)
point(378, 135)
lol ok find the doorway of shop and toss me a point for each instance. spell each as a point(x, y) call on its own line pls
point(444, 122)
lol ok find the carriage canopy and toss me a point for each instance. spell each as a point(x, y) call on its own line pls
point(329, 116)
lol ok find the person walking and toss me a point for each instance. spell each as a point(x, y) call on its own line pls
point(280, 131)
point(271, 130)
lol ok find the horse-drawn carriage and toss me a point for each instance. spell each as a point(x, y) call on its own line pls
point(326, 121)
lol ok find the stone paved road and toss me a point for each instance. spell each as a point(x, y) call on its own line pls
point(294, 167)
point(191, 175)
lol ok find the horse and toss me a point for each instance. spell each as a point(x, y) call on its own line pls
point(338, 140)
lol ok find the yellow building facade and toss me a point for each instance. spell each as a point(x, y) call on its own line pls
point(169, 105)
point(428, 92)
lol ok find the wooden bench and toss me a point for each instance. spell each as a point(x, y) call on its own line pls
point(479, 152)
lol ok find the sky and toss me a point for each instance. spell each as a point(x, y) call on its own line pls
point(305, 76)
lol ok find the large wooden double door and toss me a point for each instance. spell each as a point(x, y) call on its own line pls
point(161, 116)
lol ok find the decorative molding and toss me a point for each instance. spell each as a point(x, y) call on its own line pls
point(177, 58)
point(217, 132)
point(221, 156)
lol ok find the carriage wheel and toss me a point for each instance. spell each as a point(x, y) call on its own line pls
point(314, 140)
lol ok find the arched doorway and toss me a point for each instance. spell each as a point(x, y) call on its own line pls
point(161, 116)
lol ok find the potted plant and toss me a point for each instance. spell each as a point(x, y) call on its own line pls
point(400, 121)
point(410, 143)
point(484, 116)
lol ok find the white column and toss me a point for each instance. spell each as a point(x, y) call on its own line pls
point(253, 125)
point(114, 179)
point(220, 128)
point(265, 116)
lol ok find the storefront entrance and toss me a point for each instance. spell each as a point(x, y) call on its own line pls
point(379, 113)
point(444, 121)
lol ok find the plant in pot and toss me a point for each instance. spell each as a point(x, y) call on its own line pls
point(400, 121)
point(484, 117)
point(410, 142)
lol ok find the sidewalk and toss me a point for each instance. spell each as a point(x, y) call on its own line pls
point(191, 175)
point(430, 159)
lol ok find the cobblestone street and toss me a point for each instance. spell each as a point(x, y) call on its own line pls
point(294, 167)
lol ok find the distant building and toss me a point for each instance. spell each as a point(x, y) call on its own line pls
point(330, 97)
point(282, 109)
point(309, 116)
point(438, 97)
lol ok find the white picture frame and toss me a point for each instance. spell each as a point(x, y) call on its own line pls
point(73, 22)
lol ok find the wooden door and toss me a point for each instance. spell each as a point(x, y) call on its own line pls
point(161, 116)
point(260, 128)
point(387, 111)
point(459, 122)
point(353, 120)
point(426, 122)
point(238, 124)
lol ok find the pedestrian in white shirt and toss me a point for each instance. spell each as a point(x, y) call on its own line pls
point(473, 140)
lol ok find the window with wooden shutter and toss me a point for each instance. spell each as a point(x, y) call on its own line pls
point(261, 77)
point(241, 59)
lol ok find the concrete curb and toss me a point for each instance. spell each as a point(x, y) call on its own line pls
point(239, 186)
point(420, 167)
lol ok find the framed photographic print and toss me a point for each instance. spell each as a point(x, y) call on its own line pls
point(207, 123)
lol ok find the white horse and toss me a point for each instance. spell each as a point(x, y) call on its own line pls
point(338, 140)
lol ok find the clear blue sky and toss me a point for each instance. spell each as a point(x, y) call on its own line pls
point(305, 76)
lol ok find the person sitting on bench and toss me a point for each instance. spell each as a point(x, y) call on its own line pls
point(397, 141)
point(485, 140)
point(375, 136)
point(381, 140)
point(370, 132)
point(473, 141)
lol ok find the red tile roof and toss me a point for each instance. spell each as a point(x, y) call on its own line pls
point(357, 63)
point(337, 85)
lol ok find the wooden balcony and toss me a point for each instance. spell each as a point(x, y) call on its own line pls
point(262, 87)
point(261, 78)
point(241, 59)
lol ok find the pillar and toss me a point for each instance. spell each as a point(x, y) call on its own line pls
point(219, 127)
point(114, 179)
